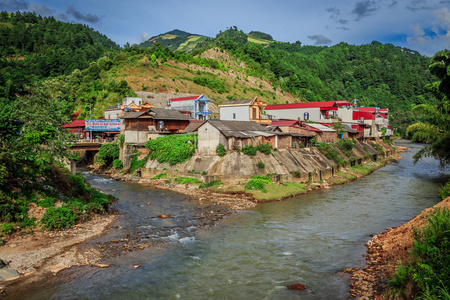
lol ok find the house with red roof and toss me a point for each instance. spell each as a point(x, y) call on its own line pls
point(323, 112)
point(374, 117)
point(197, 106)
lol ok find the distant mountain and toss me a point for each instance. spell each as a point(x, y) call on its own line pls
point(176, 40)
point(184, 41)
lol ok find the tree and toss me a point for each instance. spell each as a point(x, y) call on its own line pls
point(437, 131)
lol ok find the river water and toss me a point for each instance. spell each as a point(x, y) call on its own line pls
point(253, 254)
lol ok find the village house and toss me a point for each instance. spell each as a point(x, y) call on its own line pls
point(244, 110)
point(321, 132)
point(374, 117)
point(128, 104)
point(196, 106)
point(323, 112)
point(238, 134)
point(141, 126)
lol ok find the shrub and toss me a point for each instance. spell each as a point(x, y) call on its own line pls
point(346, 146)
point(9, 210)
point(47, 202)
point(187, 180)
point(210, 184)
point(260, 165)
point(117, 163)
point(159, 176)
point(254, 184)
point(58, 217)
point(444, 191)
point(249, 150)
point(137, 163)
point(107, 154)
point(6, 229)
point(264, 148)
point(263, 179)
point(172, 149)
point(220, 150)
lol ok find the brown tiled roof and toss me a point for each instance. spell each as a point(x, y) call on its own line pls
point(236, 102)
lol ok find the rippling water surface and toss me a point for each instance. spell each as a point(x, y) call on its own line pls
point(257, 253)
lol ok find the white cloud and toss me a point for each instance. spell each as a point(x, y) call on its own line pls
point(143, 37)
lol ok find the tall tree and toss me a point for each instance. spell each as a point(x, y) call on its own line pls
point(437, 130)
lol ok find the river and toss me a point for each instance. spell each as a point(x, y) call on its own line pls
point(253, 254)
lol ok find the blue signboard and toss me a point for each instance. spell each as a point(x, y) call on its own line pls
point(102, 124)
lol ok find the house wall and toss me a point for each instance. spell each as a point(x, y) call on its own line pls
point(136, 137)
point(242, 113)
point(113, 113)
point(295, 113)
point(345, 114)
point(209, 138)
point(326, 137)
point(284, 142)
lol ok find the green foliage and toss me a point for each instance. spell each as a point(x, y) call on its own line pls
point(260, 165)
point(255, 184)
point(263, 179)
point(249, 150)
point(58, 218)
point(117, 163)
point(6, 228)
point(260, 35)
point(432, 252)
point(173, 149)
point(329, 152)
point(9, 210)
point(120, 139)
point(444, 191)
point(346, 145)
point(47, 202)
point(264, 148)
point(397, 283)
point(159, 176)
point(187, 180)
point(215, 85)
point(137, 163)
point(220, 150)
point(107, 154)
point(210, 184)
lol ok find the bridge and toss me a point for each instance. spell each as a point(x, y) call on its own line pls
point(86, 150)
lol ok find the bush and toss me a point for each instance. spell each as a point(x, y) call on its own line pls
point(58, 217)
point(346, 146)
point(159, 176)
point(264, 148)
point(220, 150)
point(6, 229)
point(107, 154)
point(263, 179)
point(117, 163)
point(260, 165)
point(47, 202)
point(444, 191)
point(187, 180)
point(172, 149)
point(9, 210)
point(249, 150)
point(255, 184)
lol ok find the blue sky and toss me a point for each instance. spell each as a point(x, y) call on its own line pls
point(421, 25)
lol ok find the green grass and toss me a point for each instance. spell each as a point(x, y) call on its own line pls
point(277, 191)
point(187, 180)
point(361, 169)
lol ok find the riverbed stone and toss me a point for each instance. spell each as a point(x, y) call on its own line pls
point(297, 286)
point(7, 274)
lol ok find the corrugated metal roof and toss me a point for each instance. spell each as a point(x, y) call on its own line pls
point(320, 127)
point(76, 123)
point(192, 127)
point(237, 102)
point(169, 114)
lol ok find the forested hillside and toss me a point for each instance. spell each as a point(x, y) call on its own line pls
point(33, 47)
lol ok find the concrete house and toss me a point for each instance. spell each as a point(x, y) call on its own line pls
point(128, 104)
point(196, 106)
point(244, 110)
point(144, 125)
point(238, 134)
point(323, 112)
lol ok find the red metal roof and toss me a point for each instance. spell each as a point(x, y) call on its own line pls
point(366, 115)
point(328, 104)
point(185, 98)
point(284, 122)
point(343, 103)
point(372, 109)
point(76, 123)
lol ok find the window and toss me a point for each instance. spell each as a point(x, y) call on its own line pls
point(254, 113)
point(234, 116)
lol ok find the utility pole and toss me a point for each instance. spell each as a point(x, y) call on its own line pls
point(90, 116)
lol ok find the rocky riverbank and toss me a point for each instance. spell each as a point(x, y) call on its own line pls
point(385, 252)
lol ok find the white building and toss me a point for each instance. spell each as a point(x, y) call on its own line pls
point(197, 106)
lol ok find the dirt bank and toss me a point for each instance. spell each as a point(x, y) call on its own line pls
point(42, 253)
point(385, 252)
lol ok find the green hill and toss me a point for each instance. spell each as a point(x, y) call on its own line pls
point(175, 40)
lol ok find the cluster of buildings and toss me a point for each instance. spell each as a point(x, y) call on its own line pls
point(241, 122)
